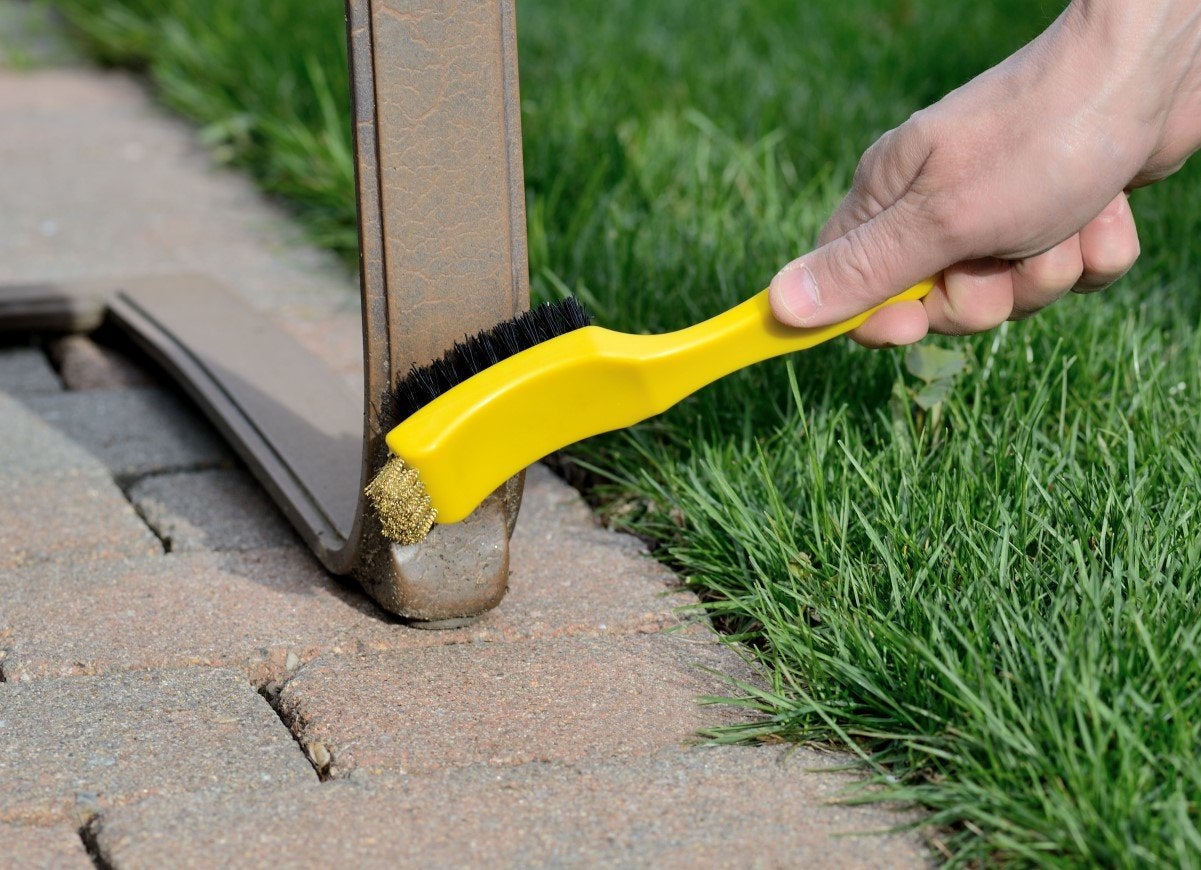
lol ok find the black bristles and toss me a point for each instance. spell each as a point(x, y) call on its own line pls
point(475, 353)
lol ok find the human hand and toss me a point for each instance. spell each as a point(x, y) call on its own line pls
point(1013, 186)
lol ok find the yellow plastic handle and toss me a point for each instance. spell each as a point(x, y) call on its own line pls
point(471, 439)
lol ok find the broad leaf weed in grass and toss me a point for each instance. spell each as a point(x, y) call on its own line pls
point(987, 589)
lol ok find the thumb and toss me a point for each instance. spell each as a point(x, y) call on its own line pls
point(872, 262)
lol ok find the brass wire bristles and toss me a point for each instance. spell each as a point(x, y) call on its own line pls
point(401, 503)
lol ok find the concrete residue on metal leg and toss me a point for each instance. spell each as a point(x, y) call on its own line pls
point(459, 571)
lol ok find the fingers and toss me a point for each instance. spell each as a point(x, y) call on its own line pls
point(894, 326)
point(873, 261)
point(1042, 279)
point(883, 238)
point(973, 296)
point(1108, 246)
point(917, 204)
point(979, 295)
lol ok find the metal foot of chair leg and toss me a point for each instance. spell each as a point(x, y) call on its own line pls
point(460, 571)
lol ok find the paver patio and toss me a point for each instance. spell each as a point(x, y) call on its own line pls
point(184, 684)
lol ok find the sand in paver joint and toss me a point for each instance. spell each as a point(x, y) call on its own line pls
point(183, 680)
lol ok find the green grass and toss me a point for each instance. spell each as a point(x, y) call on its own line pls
point(994, 600)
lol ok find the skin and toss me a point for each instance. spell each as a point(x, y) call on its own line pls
point(1013, 188)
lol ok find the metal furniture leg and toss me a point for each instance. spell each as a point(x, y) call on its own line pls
point(442, 232)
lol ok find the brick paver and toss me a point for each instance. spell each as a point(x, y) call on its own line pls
point(260, 609)
point(222, 509)
point(24, 847)
point(57, 503)
point(708, 807)
point(135, 431)
point(559, 700)
point(78, 745)
point(98, 184)
point(71, 517)
point(25, 371)
point(34, 448)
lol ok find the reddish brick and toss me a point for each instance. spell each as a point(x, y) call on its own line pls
point(57, 502)
point(78, 141)
point(557, 700)
point(705, 807)
point(71, 516)
point(570, 576)
point(58, 847)
point(253, 611)
point(260, 609)
point(71, 747)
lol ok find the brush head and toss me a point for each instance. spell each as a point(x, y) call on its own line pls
point(400, 501)
point(475, 353)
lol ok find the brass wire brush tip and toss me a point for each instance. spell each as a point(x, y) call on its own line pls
point(401, 503)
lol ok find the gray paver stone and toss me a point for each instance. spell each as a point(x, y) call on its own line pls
point(557, 700)
point(704, 807)
point(25, 370)
point(23, 847)
point(222, 509)
point(261, 611)
point(73, 746)
point(35, 449)
point(135, 431)
point(57, 502)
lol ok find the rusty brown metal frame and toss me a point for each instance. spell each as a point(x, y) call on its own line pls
point(442, 240)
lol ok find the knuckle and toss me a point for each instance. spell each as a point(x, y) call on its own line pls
point(922, 126)
point(1113, 260)
point(867, 167)
point(984, 314)
point(954, 221)
point(858, 257)
point(1056, 271)
point(974, 305)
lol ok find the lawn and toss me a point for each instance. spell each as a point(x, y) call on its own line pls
point(987, 588)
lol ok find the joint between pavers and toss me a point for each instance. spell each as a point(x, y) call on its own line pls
point(9, 667)
point(89, 835)
point(126, 491)
point(316, 753)
point(128, 481)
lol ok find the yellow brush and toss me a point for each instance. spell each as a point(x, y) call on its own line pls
point(490, 408)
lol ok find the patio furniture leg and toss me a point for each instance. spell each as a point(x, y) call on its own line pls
point(442, 232)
